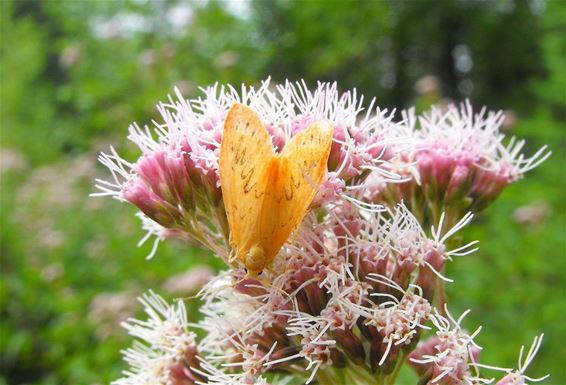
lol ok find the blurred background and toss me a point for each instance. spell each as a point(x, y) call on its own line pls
point(75, 74)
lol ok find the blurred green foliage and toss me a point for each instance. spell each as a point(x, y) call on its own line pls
point(74, 74)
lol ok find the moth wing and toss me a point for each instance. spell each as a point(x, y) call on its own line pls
point(295, 176)
point(245, 152)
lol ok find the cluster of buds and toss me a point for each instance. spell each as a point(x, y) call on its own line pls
point(333, 298)
point(360, 283)
point(457, 160)
point(175, 183)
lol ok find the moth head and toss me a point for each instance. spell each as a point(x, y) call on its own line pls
point(255, 260)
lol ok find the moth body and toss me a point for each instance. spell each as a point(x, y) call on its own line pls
point(267, 194)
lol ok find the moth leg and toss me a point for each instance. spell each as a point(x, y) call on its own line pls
point(296, 233)
point(269, 269)
point(309, 180)
point(233, 255)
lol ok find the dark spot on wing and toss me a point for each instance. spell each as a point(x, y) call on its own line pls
point(284, 224)
point(248, 187)
point(289, 193)
point(294, 182)
point(247, 174)
point(240, 150)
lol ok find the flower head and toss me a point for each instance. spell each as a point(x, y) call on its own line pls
point(457, 159)
point(355, 286)
point(175, 182)
point(168, 354)
point(332, 296)
point(451, 357)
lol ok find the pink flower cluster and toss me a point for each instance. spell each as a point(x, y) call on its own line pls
point(457, 160)
point(339, 294)
point(175, 182)
point(350, 296)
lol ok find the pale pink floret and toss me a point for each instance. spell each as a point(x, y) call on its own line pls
point(166, 351)
point(398, 321)
point(518, 376)
point(450, 357)
point(456, 153)
point(330, 191)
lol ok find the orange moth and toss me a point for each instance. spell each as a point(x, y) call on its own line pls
point(267, 194)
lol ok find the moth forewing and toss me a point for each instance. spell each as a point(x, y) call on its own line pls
point(245, 151)
point(266, 195)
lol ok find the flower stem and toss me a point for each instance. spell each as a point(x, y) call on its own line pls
point(346, 376)
point(324, 378)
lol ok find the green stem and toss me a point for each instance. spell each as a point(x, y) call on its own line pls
point(324, 378)
point(390, 379)
point(348, 376)
point(362, 376)
point(440, 297)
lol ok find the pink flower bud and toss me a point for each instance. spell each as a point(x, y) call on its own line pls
point(458, 186)
point(330, 190)
point(337, 153)
point(351, 344)
point(426, 348)
point(487, 186)
point(347, 222)
point(180, 375)
point(300, 123)
point(152, 205)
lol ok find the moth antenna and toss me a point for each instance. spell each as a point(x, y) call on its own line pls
point(283, 292)
point(264, 282)
point(188, 298)
point(268, 284)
